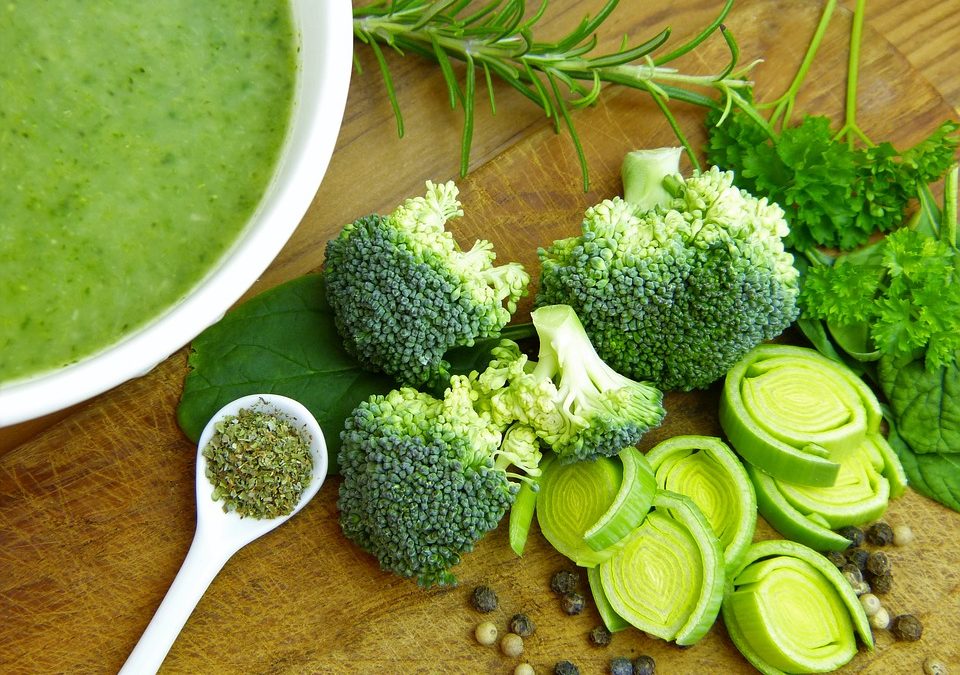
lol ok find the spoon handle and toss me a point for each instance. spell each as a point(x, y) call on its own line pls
point(199, 568)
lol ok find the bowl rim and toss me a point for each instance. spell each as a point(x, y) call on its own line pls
point(326, 58)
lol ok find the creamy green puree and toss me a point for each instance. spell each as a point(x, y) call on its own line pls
point(136, 139)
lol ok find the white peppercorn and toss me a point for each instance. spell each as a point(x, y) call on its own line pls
point(486, 633)
point(871, 603)
point(902, 535)
point(881, 619)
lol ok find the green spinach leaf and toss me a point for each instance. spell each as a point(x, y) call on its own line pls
point(932, 475)
point(283, 341)
point(925, 403)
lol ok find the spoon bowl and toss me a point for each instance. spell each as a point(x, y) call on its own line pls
point(221, 533)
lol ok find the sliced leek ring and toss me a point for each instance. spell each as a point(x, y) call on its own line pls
point(521, 517)
point(629, 507)
point(790, 610)
point(810, 514)
point(572, 498)
point(613, 621)
point(785, 519)
point(667, 576)
point(795, 414)
point(705, 469)
point(859, 495)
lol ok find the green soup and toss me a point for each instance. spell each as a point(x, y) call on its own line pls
point(136, 140)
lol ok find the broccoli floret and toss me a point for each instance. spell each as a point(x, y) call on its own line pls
point(679, 279)
point(403, 292)
point(424, 478)
point(577, 404)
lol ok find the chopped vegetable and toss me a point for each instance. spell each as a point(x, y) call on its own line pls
point(678, 280)
point(575, 403)
point(791, 610)
point(613, 621)
point(434, 470)
point(667, 576)
point(798, 416)
point(404, 293)
point(572, 498)
point(706, 470)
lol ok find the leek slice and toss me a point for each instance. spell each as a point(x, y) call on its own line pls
point(613, 621)
point(572, 498)
point(796, 414)
point(521, 516)
point(785, 519)
point(809, 514)
point(630, 506)
point(790, 610)
point(859, 495)
point(667, 576)
point(705, 469)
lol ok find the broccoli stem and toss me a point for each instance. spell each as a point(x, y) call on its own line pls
point(643, 174)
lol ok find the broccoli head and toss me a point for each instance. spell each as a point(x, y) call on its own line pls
point(575, 403)
point(679, 279)
point(424, 479)
point(403, 292)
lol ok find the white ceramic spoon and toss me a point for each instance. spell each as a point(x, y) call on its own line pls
point(219, 535)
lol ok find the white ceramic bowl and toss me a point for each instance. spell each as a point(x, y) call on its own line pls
point(326, 36)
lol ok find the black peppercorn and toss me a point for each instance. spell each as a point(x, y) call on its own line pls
point(644, 665)
point(565, 668)
point(906, 627)
point(600, 636)
point(879, 564)
point(484, 599)
point(564, 581)
point(879, 534)
point(837, 558)
point(522, 625)
point(854, 534)
point(621, 666)
point(572, 603)
point(882, 583)
point(858, 556)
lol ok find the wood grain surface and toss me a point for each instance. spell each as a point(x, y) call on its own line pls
point(96, 503)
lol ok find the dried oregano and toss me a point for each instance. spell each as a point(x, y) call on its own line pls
point(258, 463)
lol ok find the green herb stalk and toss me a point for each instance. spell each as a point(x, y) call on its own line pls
point(499, 39)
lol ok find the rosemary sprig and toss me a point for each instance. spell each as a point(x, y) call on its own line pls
point(497, 39)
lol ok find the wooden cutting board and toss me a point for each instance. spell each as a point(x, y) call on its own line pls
point(97, 512)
